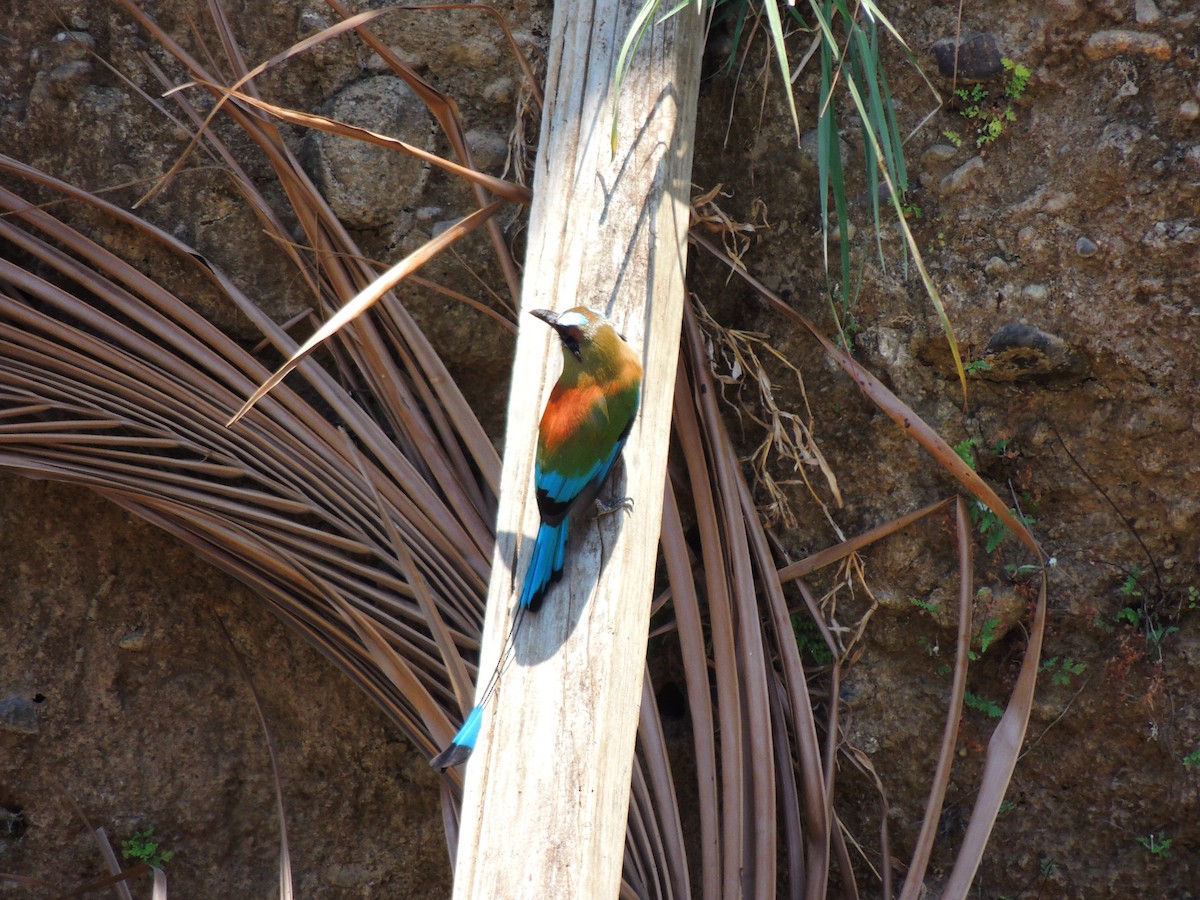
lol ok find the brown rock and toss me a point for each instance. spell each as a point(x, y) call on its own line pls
point(1105, 44)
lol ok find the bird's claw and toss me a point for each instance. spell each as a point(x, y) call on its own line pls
point(624, 504)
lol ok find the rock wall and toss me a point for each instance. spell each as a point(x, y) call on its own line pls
point(1067, 250)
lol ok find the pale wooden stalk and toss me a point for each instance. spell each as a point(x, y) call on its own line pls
point(547, 789)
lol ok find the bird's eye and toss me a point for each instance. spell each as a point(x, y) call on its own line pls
point(570, 338)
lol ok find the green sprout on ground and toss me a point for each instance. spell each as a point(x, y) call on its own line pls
point(987, 634)
point(1149, 624)
point(810, 642)
point(966, 450)
point(143, 848)
point(1130, 586)
point(1192, 760)
point(982, 704)
point(1158, 844)
point(1063, 671)
point(991, 116)
point(986, 522)
point(978, 367)
point(1047, 866)
point(930, 606)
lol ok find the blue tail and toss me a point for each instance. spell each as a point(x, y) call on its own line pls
point(460, 748)
point(546, 567)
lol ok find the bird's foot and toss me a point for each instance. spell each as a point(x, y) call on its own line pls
point(624, 504)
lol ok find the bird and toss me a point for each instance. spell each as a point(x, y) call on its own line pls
point(583, 430)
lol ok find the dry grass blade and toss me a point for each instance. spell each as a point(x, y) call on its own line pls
point(730, 771)
point(285, 853)
point(914, 883)
point(830, 555)
point(498, 186)
point(1003, 751)
point(663, 800)
point(370, 295)
point(732, 540)
point(688, 623)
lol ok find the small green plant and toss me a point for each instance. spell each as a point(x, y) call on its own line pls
point(991, 116)
point(953, 137)
point(930, 606)
point(1147, 622)
point(849, 328)
point(1193, 597)
point(978, 367)
point(987, 634)
point(966, 450)
point(1192, 760)
point(988, 524)
point(143, 848)
point(1018, 79)
point(1047, 866)
point(1158, 844)
point(982, 704)
point(1063, 671)
point(1007, 806)
point(972, 96)
point(810, 641)
point(1130, 586)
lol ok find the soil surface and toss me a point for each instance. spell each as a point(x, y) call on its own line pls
point(1067, 253)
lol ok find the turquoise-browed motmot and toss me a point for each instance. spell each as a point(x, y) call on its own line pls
point(583, 429)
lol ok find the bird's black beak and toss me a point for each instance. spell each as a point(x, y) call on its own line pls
point(546, 315)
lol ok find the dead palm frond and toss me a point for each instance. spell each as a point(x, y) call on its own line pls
point(358, 497)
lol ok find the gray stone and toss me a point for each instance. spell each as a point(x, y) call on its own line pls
point(962, 177)
point(1145, 12)
point(938, 153)
point(1085, 247)
point(18, 714)
point(489, 150)
point(367, 184)
point(995, 267)
point(978, 57)
point(809, 147)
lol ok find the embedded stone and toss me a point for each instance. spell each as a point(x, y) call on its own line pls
point(1021, 352)
point(978, 57)
point(368, 184)
point(17, 714)
point(1118, 42)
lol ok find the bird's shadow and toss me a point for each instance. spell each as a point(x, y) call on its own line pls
point(589, 549)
